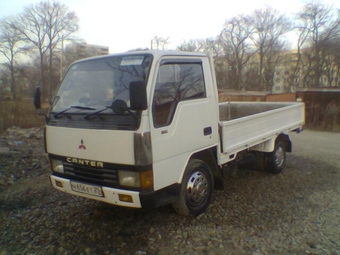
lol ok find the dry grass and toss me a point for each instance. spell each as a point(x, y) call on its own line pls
point(20, 113)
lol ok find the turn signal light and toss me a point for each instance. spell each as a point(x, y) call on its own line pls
point(146, 180)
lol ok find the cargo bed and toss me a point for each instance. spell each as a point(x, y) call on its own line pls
point(246, 124)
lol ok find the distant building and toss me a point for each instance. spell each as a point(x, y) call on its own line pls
point(285, 72)
point(286, 78)
point(289, 77)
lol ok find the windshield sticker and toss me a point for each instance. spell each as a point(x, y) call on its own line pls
point(132, 60)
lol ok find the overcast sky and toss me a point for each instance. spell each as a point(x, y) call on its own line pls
point(129, 24)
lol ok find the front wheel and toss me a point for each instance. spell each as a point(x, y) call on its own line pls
point(196, 189)
point(274, 162)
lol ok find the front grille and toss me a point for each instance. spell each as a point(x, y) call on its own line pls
point(100, 176)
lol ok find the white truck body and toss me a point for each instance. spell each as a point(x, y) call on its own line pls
point(170, 148)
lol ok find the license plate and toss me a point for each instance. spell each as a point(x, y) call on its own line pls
point(87, 189)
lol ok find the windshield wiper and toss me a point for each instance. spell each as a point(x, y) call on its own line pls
point(87, 117)
point(73, 107)
point(118, 106)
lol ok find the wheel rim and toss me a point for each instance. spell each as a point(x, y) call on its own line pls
point(197, 188)
point(279, 156)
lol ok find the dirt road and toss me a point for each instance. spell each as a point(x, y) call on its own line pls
point(323, 145)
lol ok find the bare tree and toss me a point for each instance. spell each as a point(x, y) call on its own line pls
point(269, 26)
point(272, 60)
point(235, 39)
point(336, 62)
point(60, 24)
point(192, 45)
point(44, 25)
point(330, 62)
point(29, 76)
point(212, 45)
point(31, 25)
point(10, 47)
point(4, 77)
point(318, 25)
point(160, 42)
point(299, 68)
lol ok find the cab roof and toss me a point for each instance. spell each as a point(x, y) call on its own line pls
point(155, 53)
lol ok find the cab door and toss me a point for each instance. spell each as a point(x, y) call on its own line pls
point(184, 116)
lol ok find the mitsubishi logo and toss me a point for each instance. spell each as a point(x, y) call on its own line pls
point(82, 146)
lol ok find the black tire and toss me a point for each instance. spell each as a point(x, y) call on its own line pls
point(196, 189)
point(275, 161)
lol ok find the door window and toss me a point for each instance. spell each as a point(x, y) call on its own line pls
point(176, 82)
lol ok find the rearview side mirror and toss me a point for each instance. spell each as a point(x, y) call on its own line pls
point(37, 98)
point(138, 97)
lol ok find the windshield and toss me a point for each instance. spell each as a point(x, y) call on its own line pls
point(95, 84)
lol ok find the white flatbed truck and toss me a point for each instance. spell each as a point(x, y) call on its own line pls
point(145, 129)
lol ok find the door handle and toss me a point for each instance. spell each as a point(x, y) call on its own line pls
point(207, 131)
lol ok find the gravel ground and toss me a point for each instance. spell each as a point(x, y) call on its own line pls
point(295, 212)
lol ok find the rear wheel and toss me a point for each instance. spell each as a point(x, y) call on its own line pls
point(196, 189)
point(274, 162)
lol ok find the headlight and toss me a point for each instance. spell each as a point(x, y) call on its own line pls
point(129, 179)
point(57, 166)
point(143, 180)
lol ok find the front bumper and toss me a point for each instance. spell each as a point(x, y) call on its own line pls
point(111, 195)
point(147, 200)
